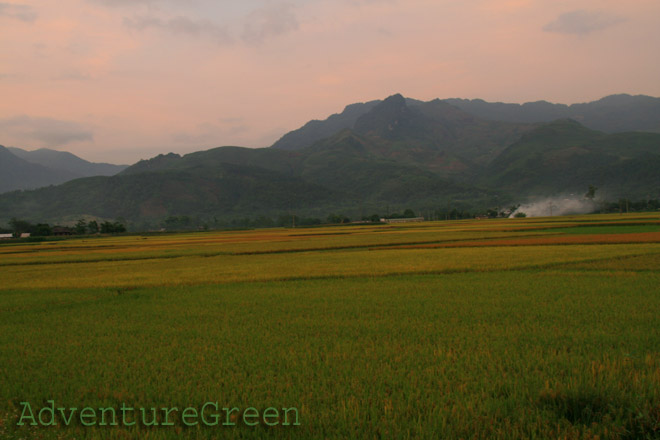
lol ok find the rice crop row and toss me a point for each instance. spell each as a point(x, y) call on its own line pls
point(149, 249)
point(520, 354)
point(318, 264)
point(640, 237)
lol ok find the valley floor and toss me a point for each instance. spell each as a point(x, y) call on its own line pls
point(525, 328)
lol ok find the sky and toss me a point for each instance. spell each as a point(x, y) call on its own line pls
point(122, 80)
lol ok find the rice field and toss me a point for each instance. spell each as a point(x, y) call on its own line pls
point(506, 329)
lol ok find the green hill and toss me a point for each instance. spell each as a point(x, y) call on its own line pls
point(356, 165)
point(565, 157)
point(220, 191)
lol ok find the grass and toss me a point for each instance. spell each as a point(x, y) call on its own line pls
point(615, 229)
point(469, 342)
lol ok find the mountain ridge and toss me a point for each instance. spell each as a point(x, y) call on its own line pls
point(398, 153)
point(611, 114)
point(17, 173)
point(69, 162)
point(23, 169)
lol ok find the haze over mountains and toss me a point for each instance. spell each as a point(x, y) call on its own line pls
point(380, 156)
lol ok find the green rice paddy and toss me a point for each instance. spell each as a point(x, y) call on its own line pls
point(363, 339)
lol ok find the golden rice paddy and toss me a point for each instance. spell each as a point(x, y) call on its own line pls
point(511, 329)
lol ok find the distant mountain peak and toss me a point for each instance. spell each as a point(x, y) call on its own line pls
point(396, 98)
point(385, 119)
point(45, 166)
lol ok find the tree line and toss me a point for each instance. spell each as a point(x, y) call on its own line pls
point(18, 227)
point(183, 222)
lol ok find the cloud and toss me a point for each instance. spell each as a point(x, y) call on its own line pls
point(582, 22)
point(20, 12)
point(258, 26)
point(72, 75)
point(367, 2)
point(180, 25)
point(269, 21)
point(45, 131)
point(122, 2)
point(212, 133)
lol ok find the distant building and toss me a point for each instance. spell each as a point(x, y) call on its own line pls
point(402, 220)
point(25, 234)
point(6, 236)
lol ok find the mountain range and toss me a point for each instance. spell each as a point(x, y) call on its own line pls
point(22, 169)
point(383, 156)
point(614, 113)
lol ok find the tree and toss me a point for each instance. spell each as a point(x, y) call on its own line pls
point(309, 221)
point(93, 227)
point(492, 213)
point(409, 213)
point(19, 226)
point(263, 222)
point(520, 215)
point(81, 226)
point(338, 218)
point(591, 194)
point(177, 222)
point(42, 230)
point(111, 228)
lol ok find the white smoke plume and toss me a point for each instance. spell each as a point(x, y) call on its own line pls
point(553, 206)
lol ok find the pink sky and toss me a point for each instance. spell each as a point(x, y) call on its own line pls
point(123, 80)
